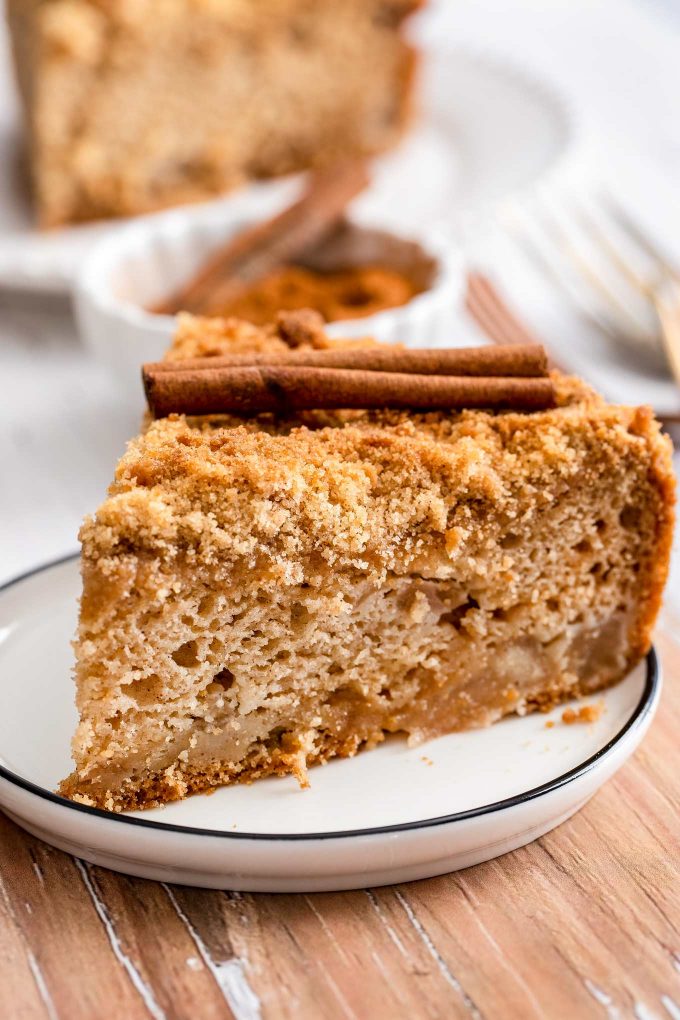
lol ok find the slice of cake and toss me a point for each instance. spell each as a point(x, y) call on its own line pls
point(138, 105)
point(262, 594)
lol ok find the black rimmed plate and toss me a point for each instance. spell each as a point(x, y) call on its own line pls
point(390, 815)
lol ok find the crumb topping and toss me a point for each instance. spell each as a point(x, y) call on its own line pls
point(371, 491)
point(585, 714)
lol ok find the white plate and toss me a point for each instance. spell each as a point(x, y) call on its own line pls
point(388, 815)
point(486, 130)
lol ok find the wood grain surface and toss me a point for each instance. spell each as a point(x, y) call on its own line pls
point(585, 922)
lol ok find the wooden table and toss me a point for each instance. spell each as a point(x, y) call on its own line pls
point(585, 922)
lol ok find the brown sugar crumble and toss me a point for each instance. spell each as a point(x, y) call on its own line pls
point(584, 714)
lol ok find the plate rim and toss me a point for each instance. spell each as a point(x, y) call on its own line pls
point(646, 703)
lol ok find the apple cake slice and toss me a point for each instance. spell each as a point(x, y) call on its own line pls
point(261, 594)
point(133, 106)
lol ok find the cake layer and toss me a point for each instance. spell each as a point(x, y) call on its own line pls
point(135, 106)
point(333, 671)
point(262, 595)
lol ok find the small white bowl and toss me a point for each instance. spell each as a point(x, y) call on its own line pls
point(141, 263)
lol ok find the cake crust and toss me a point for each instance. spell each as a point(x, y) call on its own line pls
point(311, 584)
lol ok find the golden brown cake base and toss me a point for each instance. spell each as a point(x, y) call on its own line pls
point(262, 595)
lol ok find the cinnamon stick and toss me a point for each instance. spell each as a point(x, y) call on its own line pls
point(260, 249)
point(502, 360)
point(285, 388)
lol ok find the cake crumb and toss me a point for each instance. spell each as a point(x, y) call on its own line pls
point(428, 761)
point(585, 714)
point(549, 724)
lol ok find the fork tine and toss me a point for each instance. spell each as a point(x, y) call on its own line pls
point(667, 305)
point(485, 318)
point(614, 253)
point(495, 317)
point(588, 270)
point(641, 238)
point(483, 295)
point(533, 254)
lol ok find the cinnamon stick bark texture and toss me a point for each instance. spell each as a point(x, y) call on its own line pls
point(259, 388)
point(502, 360)
point(264, 247)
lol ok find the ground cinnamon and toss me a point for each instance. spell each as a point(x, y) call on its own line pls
point(348, 292)
point(260, 249)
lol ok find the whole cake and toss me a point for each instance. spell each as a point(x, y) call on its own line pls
point(263, 593)
point(131, 106)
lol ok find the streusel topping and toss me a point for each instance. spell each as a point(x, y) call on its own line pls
point(353, 489)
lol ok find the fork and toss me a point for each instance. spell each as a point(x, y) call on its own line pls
point(609, 268)
point(501, 324)
point(496, 319)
